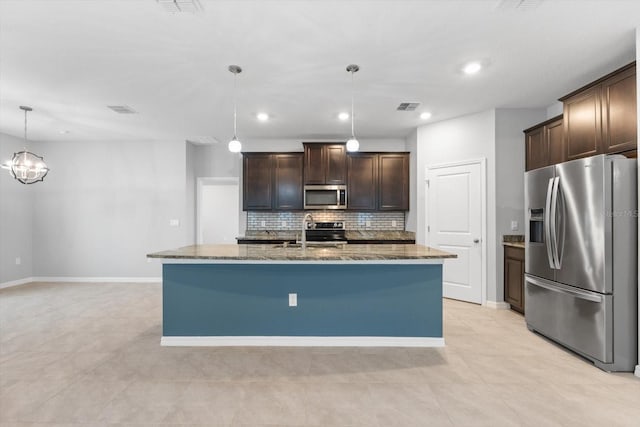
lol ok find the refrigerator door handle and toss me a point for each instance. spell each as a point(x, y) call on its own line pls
point(547, 228)
point(554, 226)
point(589, 296)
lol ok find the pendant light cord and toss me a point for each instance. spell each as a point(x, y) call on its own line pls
point(235, 105)
point(353, 135)
point(25, 128)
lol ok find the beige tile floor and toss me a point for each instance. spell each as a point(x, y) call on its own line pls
point(89, 355)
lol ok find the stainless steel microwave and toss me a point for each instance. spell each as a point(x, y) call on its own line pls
point(325, 197)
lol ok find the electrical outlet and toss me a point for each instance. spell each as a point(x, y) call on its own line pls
point(262, 223)
point(514, 225)
point(293, 300)
point(18, 260)
point(367, 223)
point(174, 223)
point(394, 223)
point(284, 224)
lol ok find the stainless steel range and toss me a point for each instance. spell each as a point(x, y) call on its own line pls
point(329, 232)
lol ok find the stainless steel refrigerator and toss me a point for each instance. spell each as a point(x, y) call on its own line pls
point(581, 258)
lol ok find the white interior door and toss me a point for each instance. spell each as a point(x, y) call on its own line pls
point(455, 215)
point(218, 213)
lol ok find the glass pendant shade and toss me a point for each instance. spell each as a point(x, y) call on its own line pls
point(234, 145)
point(353, 145)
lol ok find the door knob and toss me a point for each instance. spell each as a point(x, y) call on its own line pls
point(476, 240)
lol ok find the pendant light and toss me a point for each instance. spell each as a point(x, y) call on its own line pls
point(234, 145)
point(352, 143)
point(26, 167)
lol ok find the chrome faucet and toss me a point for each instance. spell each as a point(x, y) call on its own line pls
point(303, 239)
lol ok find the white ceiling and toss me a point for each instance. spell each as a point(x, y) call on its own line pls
point(70, 59)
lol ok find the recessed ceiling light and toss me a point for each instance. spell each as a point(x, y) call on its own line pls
point(263, 117)
point(472, 67)
point(343, 116)
point(425, 116)
point(63, 132)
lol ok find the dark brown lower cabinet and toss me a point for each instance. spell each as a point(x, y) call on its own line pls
point(514, 277)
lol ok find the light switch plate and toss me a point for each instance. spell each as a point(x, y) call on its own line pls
point(394, 223)
point(174, 223)
point(262, 223)
point(18, 260)
point(284, 223)
point(514, 225)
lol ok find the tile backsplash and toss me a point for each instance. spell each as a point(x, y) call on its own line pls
point(353, 220)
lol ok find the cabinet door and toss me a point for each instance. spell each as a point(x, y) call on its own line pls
point(619, 112)
point(362, 180)
point(554, 135)
point(514, 278)
point(537, 149)
point(314, 164)
point(582, 124)
point(393, 182)
point(287, 181)
point(257, 181)
point(336, 164)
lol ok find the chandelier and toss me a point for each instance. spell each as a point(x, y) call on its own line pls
point(25, 166)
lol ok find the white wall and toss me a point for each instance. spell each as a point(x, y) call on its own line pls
point(554, 110)
point(638, 116)
point(411, 222)
point(16, 216)
point(105, 205)
point(495, 135)
point(510, 162)
point(461, 138)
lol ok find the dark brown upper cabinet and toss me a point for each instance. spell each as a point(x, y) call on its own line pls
point(325, 163)
point(393, 181)
point(619, 112)
point(378, 181)
point(544, 144)
point(287, 185)
point(602, 116)
point(257, 171)
point(272, 181)
point(362, 181)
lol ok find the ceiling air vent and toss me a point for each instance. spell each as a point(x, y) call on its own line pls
point(122, 109)
point(408, 106)
point(522, 5)
point(178, 6)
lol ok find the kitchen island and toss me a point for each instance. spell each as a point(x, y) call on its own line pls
point(347, 295)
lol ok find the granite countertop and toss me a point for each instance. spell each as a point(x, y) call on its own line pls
point(262, 252)
point(513, 240)
point(349, 234)
point(514, 244)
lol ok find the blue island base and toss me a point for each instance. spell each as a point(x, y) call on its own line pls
point(337, 304)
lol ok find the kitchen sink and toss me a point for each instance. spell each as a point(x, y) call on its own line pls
point(312, 245)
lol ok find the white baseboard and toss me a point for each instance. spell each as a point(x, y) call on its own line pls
point(99, 279)
point(497, 305)
point(81, 280)
point(637, 372)
point(18, 282)
point(294, 341)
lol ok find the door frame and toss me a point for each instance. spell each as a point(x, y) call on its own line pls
point(482, 161)
point(201, 182)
